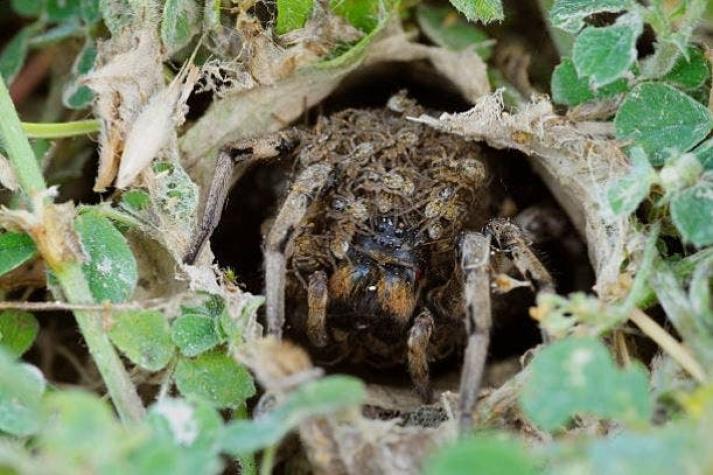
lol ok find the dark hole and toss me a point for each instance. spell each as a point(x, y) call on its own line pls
point(255, 198)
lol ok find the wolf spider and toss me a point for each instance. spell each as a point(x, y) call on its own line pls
point(373, 247)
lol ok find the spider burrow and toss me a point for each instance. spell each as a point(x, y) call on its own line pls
point(374, 254)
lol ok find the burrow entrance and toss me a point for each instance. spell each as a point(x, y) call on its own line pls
point(255, 198)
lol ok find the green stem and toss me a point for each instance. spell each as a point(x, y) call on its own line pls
point(120, 387)
point(69, 273)
point(60, 130)
point(268, 460)
point(247, 461)
point(18, 148)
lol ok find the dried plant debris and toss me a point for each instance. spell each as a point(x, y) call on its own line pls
point(129, 72)
point(256, 111)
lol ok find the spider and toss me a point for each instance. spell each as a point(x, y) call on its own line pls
point(374, 250)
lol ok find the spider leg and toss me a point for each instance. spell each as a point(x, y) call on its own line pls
point(512, 240)
point(475, 260)
point(245, 152)
point(307, 185)
point(317, 300)
point(418, 339)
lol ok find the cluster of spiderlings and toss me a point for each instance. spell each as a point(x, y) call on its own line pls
point(388, 166)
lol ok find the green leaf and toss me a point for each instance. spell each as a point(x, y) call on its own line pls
point(144, 337)
point(663, 452)
point(31, 8)
point(578, 376)
point(137, 200)
point(81, 428)
point(15, 250)
point(316, 398)
point(13, 56)
point(186, 423)
point(194, 334)
point(662, 119)
point(700, 295)
point(211, 15)
point(18, 331)
point(691, 212)
point(78, 97)
point(571, 90)
point(690, 73)
point(174, 193)
point(111, 268)
point(117, 14)
point(485, 11)
point(189, 431)
point(67, 29)
point(605, 54)
point(570, 14)
point(75, 95)
point(292, 14)
point(626, 193)
point(61, 10)
point(216, 378)
point(447, 29)
point(21, 389)
point(90, 11)
point(703, 152)
point(205, 304)
point(179, 24)
point(234, 327)
point(363, 14)
point(481, 454)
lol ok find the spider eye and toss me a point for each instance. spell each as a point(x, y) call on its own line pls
point(446, 193)
point(399, 232)
point(338, 204)
point(381, 226)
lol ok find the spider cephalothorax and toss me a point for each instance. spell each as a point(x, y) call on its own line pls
point(373, 255)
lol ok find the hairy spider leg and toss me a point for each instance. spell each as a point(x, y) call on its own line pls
point(317, 301)
point(305, 188)
point(419, 336)
point(512, 240)
point(475, 261)
point(475, 264)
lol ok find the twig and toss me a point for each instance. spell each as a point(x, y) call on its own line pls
point(103, 307)
point(668, 344)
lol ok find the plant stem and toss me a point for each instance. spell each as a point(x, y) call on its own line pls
point(58, 130)
point(69, 272)
point(669, 344)
point(268, 460)
point(247, 461)
point(18, 148)
point(120, 387)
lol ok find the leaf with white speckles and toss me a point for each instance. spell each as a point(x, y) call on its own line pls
point(144, 337)
point(216, 378)
point(662, 120)
point(110, 268)
point(692, 213)
point(578, 376)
